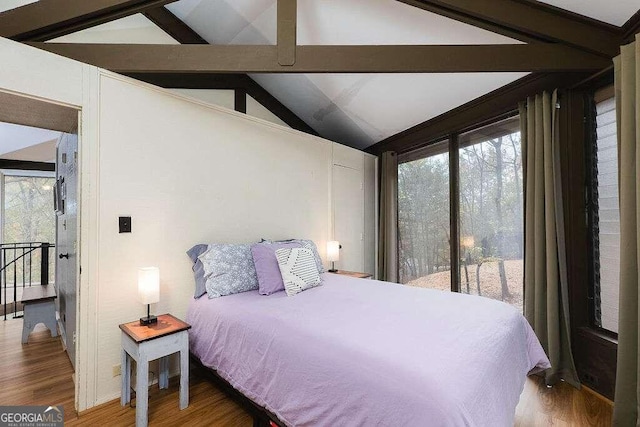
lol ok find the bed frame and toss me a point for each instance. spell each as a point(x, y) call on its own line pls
point(261, 416)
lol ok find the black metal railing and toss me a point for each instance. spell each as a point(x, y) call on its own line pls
point(22, 265)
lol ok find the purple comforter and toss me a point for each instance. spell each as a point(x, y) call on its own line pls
point(357, 352)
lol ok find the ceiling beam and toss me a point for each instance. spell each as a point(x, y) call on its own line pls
point(475, 113)
point(227, 81)
point(27, 165)
point(631, 28)
point(172, 25)
point(132, 58)
point(529, 21)
point(180, 31)
point(48, 19)
point(287, 17)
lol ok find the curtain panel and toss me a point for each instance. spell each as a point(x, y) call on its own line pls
point(546, 299)
point(388, 218)
point(627, 85)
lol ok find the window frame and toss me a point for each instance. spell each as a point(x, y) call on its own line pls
point(452, 144)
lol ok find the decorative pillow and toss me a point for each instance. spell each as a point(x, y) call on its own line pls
point(266, 264)
point(305, 244)
point(228, 269)
point(198, 268)
point(298, 269)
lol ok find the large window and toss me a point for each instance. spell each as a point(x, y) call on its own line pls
point(488, 211)
point(491, 212)
point(604, 212)
point(423, 219)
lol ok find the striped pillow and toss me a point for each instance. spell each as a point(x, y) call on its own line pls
point(298, 269)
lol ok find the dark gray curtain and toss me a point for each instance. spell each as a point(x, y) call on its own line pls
point(627, 82)
point(546, 299)
point(388, 219)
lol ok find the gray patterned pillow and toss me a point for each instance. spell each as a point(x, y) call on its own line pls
point(298, 269)
point(228, 269)
point(305, 244)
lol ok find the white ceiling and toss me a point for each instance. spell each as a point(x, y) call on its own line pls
point(356, 109)
point(615, 12)
point(27, 143)
point(132, 29)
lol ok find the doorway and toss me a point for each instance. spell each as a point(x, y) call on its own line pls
point(38, 212)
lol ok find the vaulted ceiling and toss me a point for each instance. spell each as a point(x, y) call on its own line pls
point(361, 109)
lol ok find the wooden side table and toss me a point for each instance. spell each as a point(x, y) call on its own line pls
point(144, 343)
point(353, 274)
point(39, 307)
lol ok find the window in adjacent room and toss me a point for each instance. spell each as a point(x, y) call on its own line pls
point(604, 213)
point(28, 216)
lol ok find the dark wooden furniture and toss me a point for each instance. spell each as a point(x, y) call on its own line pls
point(144, 343)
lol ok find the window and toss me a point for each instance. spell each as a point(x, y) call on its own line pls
point(423, 218)
point(28, 216)
point(604, 213)
point(489, 213)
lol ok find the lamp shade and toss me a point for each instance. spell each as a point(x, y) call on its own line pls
point(333, 250)
point(149, 285)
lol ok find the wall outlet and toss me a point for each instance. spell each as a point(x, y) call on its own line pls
point(116, 370)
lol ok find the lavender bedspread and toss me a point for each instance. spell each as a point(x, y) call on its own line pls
point(357, 352)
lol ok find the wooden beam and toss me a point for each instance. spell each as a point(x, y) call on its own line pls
point(47, 19)
point(27, 111)
point(130, 58)
point(27, 165)
point(172, 25)
point(272, 104)
point(478, 112)
point(631, 28)
point(227, 81)
point(240, 101)
point(287, 17)
point(528, 21)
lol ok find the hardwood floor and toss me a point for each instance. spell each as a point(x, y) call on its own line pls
point(39, 373)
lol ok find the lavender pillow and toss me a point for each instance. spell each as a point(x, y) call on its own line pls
point(309, 244)
point(198, 269)
point(266, 263)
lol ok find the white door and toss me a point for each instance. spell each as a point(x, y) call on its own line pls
point(348, 217)
point(66, 237)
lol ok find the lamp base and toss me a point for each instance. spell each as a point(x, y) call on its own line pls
point(148, 320)
point(332, 270)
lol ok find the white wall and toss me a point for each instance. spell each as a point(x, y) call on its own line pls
point(255, 109)
point(186, 171)
point(221, 97)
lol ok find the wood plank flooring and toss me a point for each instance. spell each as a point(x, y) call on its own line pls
point(37, 373)
point(40, 373)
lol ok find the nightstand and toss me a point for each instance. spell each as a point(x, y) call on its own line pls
point(144, 343)
point(353, 274)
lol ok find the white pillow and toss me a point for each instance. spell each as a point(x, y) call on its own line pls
point(298, 268)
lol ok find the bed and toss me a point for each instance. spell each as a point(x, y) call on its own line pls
point(357, 352)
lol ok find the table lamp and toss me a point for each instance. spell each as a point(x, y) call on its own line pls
point(149, 291)
point(333, 253)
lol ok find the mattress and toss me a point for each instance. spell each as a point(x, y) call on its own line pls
point(357, 352)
